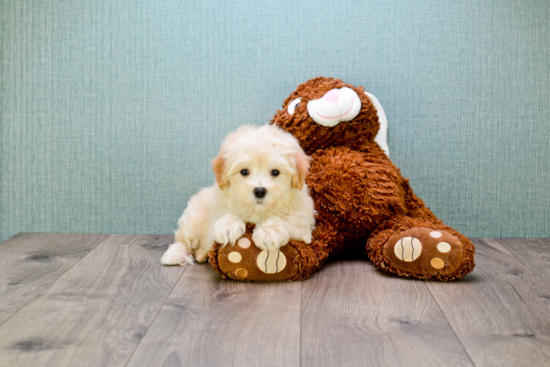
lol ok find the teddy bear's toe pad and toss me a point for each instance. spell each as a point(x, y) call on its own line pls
point(245, 261)
point(424, 251)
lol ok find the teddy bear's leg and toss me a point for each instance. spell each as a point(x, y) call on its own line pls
point(245, 261)
point(420, 248)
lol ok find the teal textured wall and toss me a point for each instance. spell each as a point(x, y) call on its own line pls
point(112, 110)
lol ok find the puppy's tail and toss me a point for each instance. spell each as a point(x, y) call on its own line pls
point(177, 254)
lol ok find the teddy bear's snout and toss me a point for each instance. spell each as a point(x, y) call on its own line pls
point(335, 106)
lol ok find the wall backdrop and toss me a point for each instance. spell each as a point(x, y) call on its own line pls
point(112, 110)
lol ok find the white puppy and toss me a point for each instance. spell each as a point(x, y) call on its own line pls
point(260, 173)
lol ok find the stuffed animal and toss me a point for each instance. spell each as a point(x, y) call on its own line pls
point(362, 201)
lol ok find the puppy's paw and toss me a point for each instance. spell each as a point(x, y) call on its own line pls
point(177, 254)
point(228, 229)
point(201, 255)
point(270, 235)
point(305, 236)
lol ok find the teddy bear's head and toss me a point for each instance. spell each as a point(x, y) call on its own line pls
point(324, 112)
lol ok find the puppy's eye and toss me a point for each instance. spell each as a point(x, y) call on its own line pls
point(245, 172)
point(275, 173)
point(292, 106)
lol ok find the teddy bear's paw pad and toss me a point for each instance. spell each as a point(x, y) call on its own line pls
point(245, 261)
point(424, 251)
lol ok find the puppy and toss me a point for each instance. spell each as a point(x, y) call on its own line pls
point(260, 174)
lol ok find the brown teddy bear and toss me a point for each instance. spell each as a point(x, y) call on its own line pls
point(362, 201)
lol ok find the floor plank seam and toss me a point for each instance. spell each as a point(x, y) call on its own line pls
point(534, 272)
point(482, 240)
point(158, 312)
point(54, 281)
point(450, 325)
point(511, 253)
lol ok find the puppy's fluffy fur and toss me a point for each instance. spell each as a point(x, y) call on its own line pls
point(249, 158)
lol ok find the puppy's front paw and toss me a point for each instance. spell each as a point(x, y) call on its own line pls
point(177, 254)
point(228, 229)
point(270, 235)
point(201, 255)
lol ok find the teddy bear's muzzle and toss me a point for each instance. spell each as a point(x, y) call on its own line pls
point(335, 106)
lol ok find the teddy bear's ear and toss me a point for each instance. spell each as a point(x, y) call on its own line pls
point(302, 168)
point(382, 137)
point(218, 168)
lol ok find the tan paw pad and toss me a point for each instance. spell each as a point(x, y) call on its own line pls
point(241, 273)
point(443, 247)
point(235, 257)
point(244, 242)
point(407, 249)
point(435, 234)
point(437, 263)
point(271, 261)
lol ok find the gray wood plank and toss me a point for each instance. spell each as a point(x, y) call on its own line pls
point(533, 252)
point(501, 311)
point(210, 322)
point(97, 312)
point(30, 262)
point(354, 315)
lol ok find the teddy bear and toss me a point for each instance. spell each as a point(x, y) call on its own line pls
point(361, 199)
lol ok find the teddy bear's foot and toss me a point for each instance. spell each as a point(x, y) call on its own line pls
point(245, 261)
point(424, 251)
point(419, 248)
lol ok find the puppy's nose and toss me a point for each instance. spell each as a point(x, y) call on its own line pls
point(259, 192)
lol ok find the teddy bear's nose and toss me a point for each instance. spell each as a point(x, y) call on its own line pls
point(332, 95)
point(336, 105)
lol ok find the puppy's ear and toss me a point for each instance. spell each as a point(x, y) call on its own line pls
point(302, 168)
point(218, 167)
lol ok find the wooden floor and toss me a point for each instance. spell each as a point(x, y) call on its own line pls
point(104, 300)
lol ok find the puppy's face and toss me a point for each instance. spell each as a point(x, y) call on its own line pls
point(260, 178)
point(260, 166)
